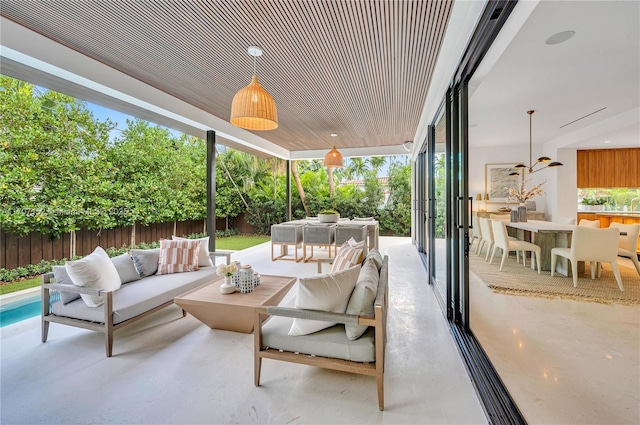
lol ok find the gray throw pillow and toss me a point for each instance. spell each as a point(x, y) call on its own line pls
point(126, 270)
point(374, 256)
point(363, 298)
point(62, 277)
point(145, 261)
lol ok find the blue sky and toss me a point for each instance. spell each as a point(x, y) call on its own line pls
point(120, 119)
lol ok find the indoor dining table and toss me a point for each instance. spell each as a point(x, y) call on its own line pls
point(547, 235)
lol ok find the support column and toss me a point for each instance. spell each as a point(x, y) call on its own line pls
point(211, 189)
point(288, 215)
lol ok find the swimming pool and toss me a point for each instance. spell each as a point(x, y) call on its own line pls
point(16, 311)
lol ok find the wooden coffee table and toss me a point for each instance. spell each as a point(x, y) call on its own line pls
point(233, 312)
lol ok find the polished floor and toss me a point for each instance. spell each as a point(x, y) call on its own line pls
point(168, 369)
point(563, 361)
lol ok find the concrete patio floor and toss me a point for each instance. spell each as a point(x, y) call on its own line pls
point(169, 369)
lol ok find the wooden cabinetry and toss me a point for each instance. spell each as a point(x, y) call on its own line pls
point(608, 168)
point(583, 167)
point(627, 172)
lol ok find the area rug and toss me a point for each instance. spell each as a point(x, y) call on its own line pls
point(515, 279)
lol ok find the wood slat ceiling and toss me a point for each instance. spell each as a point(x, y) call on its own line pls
point(357, 68)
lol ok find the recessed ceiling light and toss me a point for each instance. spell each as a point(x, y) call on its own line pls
point(560, 37)
point(334, 134)
point(607, 141)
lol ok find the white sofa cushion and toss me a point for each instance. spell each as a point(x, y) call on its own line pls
point(94, 271)
point(138, 297)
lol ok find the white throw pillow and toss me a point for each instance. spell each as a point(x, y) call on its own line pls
point(94, 271)
point(203, 255)
point(326, 292)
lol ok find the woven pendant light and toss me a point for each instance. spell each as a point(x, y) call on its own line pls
point(252, 107)
point(333, 158)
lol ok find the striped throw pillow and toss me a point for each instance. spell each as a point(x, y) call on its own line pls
point(348, 256)
point(178, 256)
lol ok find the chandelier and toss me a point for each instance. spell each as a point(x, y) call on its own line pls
point(542, 160)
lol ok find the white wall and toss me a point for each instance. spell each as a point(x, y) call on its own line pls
point(563, 194)
point(478, 157)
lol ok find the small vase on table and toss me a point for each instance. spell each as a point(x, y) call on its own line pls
point(522, 213)
point(227, 287)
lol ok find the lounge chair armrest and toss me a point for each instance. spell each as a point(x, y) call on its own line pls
point(298, 313)
point(226, 254)
point(72, 288)
point(321, 261)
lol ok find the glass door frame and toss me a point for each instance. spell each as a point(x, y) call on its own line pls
point(495, 398)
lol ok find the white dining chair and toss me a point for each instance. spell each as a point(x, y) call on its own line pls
point(486, 237)
point(476, 233)
point(593, 245)
point(589, 223)
point(628, 244)
point(502, 241)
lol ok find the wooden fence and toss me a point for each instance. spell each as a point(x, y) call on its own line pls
point(34, 247)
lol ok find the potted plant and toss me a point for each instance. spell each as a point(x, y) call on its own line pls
point(328, 216)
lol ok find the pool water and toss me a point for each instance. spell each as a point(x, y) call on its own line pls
point(16, 311)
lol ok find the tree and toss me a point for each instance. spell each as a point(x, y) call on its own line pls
point(398, 208)
point(301, 193)
point(54, 176)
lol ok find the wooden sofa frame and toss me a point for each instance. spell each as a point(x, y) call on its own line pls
point(378, 321)
point(107, 327)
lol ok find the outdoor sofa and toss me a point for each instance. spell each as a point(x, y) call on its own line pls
point(142, 293)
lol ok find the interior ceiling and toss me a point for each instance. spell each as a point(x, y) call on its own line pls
point(360, 69)
point(597, 68)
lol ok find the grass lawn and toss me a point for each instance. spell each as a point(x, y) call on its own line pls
point(234, 243)
point(20, 285)
point(237, 243)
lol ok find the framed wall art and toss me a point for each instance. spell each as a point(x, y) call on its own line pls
point(497, 181)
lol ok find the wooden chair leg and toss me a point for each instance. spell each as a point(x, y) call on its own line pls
point(45, 330)
point(109, 342)
point(380, 384)
point(257, 369)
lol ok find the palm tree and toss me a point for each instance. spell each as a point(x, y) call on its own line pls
point(296, 178)
point(377, 162)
